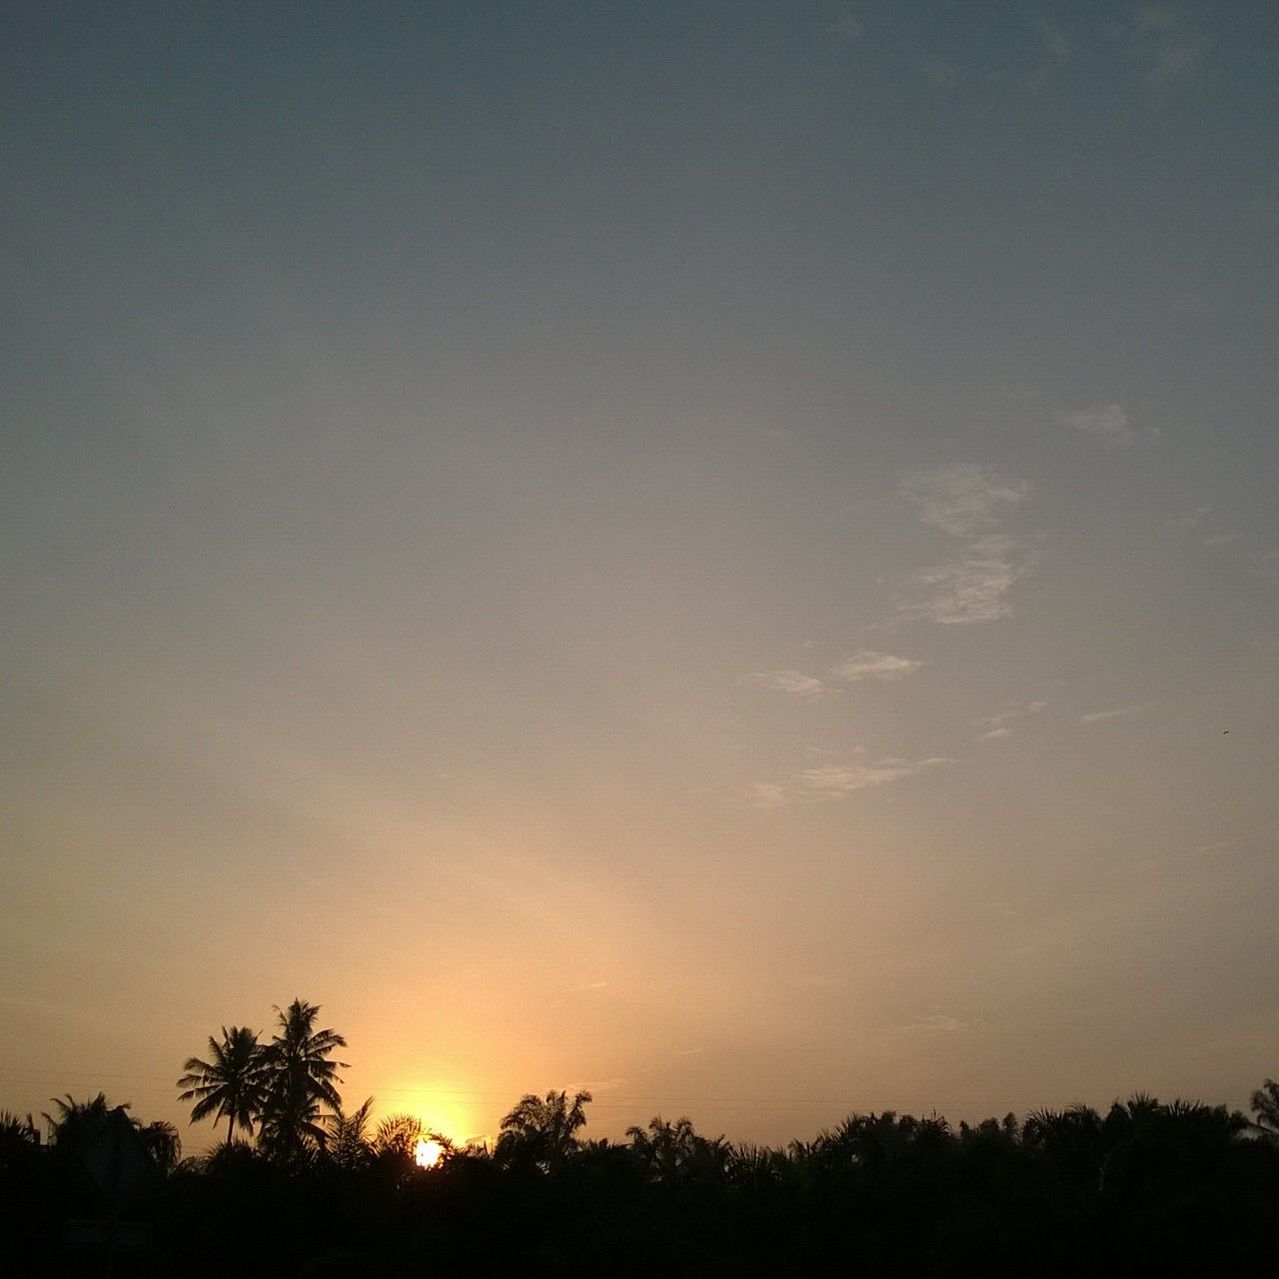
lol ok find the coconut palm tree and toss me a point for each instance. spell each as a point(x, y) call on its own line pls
point(542, 1131)
point(1265, 1105)
point(349, 1144)
point(673, 1151)
point(397, 1135)
point(162, 1143)
point(228, 1084)
point(300, 1079)
point(17, 1131)
point(75, 1120)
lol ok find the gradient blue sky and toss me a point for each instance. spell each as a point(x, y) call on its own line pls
point(725, 553)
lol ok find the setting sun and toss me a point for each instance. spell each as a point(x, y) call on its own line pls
point(427, 1153)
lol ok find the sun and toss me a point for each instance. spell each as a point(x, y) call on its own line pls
point(426, 1154)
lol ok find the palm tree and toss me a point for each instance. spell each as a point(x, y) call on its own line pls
point(542, 1132)
point(670, 1151)
point(397, 1136)
point(300, 1080)
point(162, 1143)
point(349, 1145)
point(229, 1083)
point(17, 1131)
point(1265, 1105)
point(76, 1119)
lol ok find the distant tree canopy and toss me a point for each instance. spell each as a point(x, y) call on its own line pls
point(542, 1131)
point(1144, 1187)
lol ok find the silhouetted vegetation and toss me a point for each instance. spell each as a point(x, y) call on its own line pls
point(1146, 1187)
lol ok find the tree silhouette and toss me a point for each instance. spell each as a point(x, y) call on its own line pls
point(162, 1143)
point(299, 1080)
point(230, 1083)
point(542, 1131)
point(397, 1135)
point(349, 1145)
point(1145, 1187)
point(1265, 1105)
point(674, 1151)
point(75, 1120)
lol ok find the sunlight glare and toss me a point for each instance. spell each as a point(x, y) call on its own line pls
point(427, 1153)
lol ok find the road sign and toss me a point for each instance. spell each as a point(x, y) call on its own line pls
point(116, 1160)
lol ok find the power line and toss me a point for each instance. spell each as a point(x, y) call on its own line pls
point(607, 1102)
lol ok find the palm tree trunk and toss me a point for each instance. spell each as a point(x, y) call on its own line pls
point(230, 1128)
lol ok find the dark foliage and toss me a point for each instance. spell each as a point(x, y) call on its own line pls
point(1148, 1187)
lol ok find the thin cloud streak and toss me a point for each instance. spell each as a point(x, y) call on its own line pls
point(1118, 712)
point(933, 1024)
point(836, 781)
point(997, 725)
point(1107, 424)
point(869, 664)
point(796, 683)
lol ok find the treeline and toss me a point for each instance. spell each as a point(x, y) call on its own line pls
point(302, 1187)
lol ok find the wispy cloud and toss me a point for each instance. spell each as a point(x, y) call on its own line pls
point(967, 502)
point(997, 725)
point(868, 664)
point(796, 683)
point(963, 500)
point(1167, 40)
point(1266, 563)
point(973, 588)
point(933, 1024)
point(1118, 712)
point(835, 781)
point(1198, 521)
point(846, 27)
point(1195, 518)
point(862, 665)
point(598, 1085)
point(1105, 423)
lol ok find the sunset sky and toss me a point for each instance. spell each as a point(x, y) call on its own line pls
point(722, 553)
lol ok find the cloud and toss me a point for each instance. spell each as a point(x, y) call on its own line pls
point(1266, 562)
point(1195, 518)
point(973, 588)
point(1107, 423)
point(796, 683)
point(597, 1086)
point(868, 664)
point(967, 502)
point(963, 500)
point(997, 724)
point(1165, 38)
point(1119, 712)
point(846, 27)
point(933, 1024)
point(835, 781)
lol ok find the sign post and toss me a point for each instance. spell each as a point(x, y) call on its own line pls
point(118, 1164)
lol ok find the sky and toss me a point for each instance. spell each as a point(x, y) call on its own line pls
point(722, 554)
